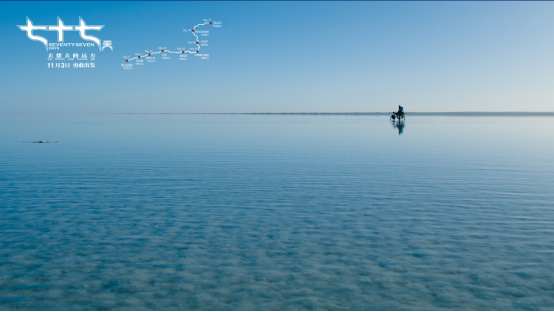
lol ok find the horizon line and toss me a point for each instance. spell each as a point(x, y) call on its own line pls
point(470, 113)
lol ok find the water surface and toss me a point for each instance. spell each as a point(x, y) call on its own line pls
point(234, 212)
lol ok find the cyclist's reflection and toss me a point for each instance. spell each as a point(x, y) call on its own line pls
point(399, 124)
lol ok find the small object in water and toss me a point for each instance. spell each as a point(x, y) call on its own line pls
point(42, 142)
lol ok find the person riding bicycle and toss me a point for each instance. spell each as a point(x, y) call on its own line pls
point(399, 114)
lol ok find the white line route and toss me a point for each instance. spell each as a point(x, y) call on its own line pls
point(176, 52)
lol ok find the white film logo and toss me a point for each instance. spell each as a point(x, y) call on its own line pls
point(82, 28)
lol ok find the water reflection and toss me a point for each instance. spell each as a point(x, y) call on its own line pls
point(399, 124)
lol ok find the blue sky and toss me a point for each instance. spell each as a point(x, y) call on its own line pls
point(290, 57)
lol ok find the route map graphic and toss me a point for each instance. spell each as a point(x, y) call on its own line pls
point(200, 34)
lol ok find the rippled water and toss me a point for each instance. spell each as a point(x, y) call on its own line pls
point(234, 212)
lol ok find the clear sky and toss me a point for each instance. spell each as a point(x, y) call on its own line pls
point(289, 57)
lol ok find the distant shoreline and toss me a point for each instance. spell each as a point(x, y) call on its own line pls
point(412, 113)
point(320, 113)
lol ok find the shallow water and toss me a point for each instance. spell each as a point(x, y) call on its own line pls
point(234, 212)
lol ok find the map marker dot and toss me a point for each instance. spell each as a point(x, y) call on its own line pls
point(196, 51)
point(197, 42)
point(126, 60)
point(210, 23)
point(148, 54)
point(182, 51)
point(193, 30)
point(139, 56)
point(162, 51)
